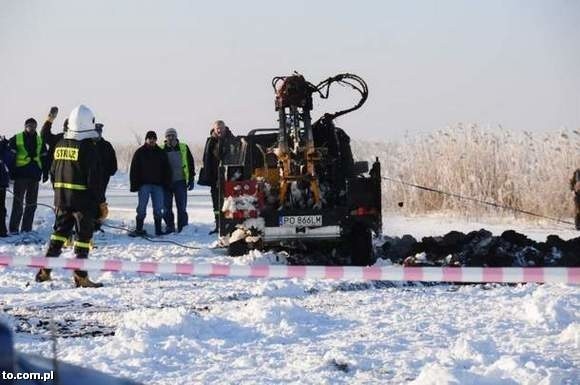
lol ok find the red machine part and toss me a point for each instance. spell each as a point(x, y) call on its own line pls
point(239, 189)
point(363, 211)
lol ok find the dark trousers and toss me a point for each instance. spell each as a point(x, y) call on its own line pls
point(178, 189)
point(215, 200)
point(3, 211)
point(156, 193)
point(25, 191)
point(67, 220)
point(577, 204)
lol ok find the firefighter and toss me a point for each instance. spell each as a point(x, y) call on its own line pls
point(216, 148)
point(182, 177)
point(29, 167)
point(77, 181)
point(575, 186)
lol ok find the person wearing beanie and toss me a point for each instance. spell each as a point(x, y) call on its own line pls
point(29, 166)
point(149, 175)
point(77, 182)
point(182, 179)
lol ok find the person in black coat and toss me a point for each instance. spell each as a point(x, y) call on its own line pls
point(216, 148)
point(150, 174)
point(108, 160)
point(107, 155)
point(5, 160)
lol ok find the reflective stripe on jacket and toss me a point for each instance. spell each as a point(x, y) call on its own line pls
point(76, 175)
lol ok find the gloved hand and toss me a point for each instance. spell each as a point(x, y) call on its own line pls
point(190, 185)
point(52, 113)
point(103, 211)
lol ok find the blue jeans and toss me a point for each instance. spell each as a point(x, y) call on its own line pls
point(156, 193)
point(178, 189)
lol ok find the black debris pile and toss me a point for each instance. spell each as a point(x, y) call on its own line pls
point(481, 248)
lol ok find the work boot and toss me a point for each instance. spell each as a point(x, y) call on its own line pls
point(82, 280)
point(180, 226)
point(43, 275)
point(169, 227)
point(157, 222)
point(3, 229)
point(138, 232)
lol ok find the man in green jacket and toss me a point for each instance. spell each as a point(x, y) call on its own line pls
point(182, 179)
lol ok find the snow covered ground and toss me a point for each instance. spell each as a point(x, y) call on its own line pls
point(186, 330)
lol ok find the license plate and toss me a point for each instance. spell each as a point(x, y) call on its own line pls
point(301, 221)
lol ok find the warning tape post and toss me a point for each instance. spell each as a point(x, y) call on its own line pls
point(567, 275)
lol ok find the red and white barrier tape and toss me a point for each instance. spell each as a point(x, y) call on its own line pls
point(568, 275)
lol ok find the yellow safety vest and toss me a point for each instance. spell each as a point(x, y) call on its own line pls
point(22, 158)
point(184, 162)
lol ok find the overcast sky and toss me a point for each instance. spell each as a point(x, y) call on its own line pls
point(144, 65)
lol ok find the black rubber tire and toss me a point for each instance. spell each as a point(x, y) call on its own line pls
point(361, 246)
point(238, 248)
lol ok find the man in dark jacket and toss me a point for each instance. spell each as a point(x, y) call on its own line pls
point(77, 181)
point(150, 173)
point(182, 179)
point(5, 160)
point(216, 148)
point(107, 155)
point(108, 159)
point(575, 186)
point(30, 165)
